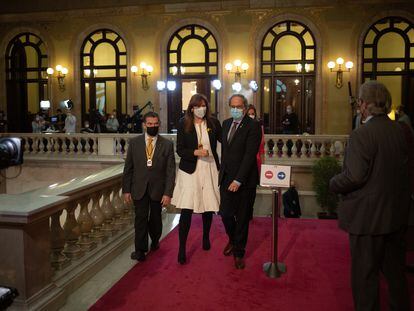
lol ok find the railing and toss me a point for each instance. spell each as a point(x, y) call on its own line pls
point(276, 146)
point(66, 225)
point(305, 146)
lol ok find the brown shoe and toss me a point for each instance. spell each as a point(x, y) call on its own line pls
point(239, 263)
point(228, 250)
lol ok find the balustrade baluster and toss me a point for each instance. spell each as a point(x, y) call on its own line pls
point(119, 146)
point(95, 145)
point(50, 145)
point(322, 149)
point(86, 223)
point(71, 145)
point(76, 144)
point(57, 241)
point(332, 152)
point(284, 149)
point(299, 148)
point(26, 145)
point(313, 150)
point(72, 233)
point(294, 149)
point(108, 212)
point(98, 218)
point(118, 207)
point(129, 212)
point(126, 146)
point(41, 145)
point(61, 144)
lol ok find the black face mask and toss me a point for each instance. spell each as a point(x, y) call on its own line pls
point(152, 131)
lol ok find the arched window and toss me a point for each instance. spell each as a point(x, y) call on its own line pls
point(103, 73)
point(192, 62)
point(288, 64)
point(388, 56)
point(26, 79)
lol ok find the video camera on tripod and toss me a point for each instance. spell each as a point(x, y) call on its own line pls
point(11, 153)
point(137, 117)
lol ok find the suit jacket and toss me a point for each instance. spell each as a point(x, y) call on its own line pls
point(157, 180)
point(374, 181)
point(238, 159)
point(187, 142)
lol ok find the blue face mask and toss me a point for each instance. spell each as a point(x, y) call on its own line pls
point(236, 113)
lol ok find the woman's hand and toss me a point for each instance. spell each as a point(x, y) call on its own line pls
point(201, 152)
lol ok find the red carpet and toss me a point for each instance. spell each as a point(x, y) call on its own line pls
point(316, 253)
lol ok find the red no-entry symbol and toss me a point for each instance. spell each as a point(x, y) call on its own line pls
point(268, 174)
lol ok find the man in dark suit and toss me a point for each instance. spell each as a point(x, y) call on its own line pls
point(238, 174)
point(148, 180)
point(374, 208)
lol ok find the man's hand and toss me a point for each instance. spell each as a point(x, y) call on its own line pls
point(165, 201)
point(127, 198)
point(233, 187)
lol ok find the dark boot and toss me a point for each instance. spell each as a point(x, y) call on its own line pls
point(207, 219)
point(183, 229)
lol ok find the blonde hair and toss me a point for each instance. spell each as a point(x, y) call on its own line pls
point(376, 96)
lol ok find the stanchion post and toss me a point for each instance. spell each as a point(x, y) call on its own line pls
point(274, 269)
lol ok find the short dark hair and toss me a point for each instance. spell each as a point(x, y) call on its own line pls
point(150, 114)
point(245, 103)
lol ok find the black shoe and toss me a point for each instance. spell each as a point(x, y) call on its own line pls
point(155, 246)
point(206, 244)
point(181, 257)
point(139, 256)
point(228, 250)
point(239, 263)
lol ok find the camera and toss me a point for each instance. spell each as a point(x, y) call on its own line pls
point(7, 295)
point(11, 153)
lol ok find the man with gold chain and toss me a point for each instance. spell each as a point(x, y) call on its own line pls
point(148, 182)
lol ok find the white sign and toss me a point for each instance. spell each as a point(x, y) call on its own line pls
point(275, 176)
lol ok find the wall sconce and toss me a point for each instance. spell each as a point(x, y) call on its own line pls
point(146, 71)
point(237, 72)
point(254, 86)
point(299, 67)
point(216, 84)
point(170, 85)
point(339, 72)
point(61, 74)
point(174, 70)
point(87, 72)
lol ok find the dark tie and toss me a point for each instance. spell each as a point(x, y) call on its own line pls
point(232, 131)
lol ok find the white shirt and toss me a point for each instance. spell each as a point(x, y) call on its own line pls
point(70, 124)
point(367, 119)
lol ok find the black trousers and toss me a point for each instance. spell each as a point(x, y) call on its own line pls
point(235, 210)
point(372, 254)
point(252, 198)
point(147, 221)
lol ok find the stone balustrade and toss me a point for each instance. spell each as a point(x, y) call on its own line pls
point(52, 235)
point(299, 147)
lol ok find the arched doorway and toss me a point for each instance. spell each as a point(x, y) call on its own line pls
point(103, 60)
point(288, 66)
point(388, 56)
point(26, 80)
point(192, 62)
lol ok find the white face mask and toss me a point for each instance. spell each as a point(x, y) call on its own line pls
point(289, 110)
point(200, 112)
point(252, 116)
